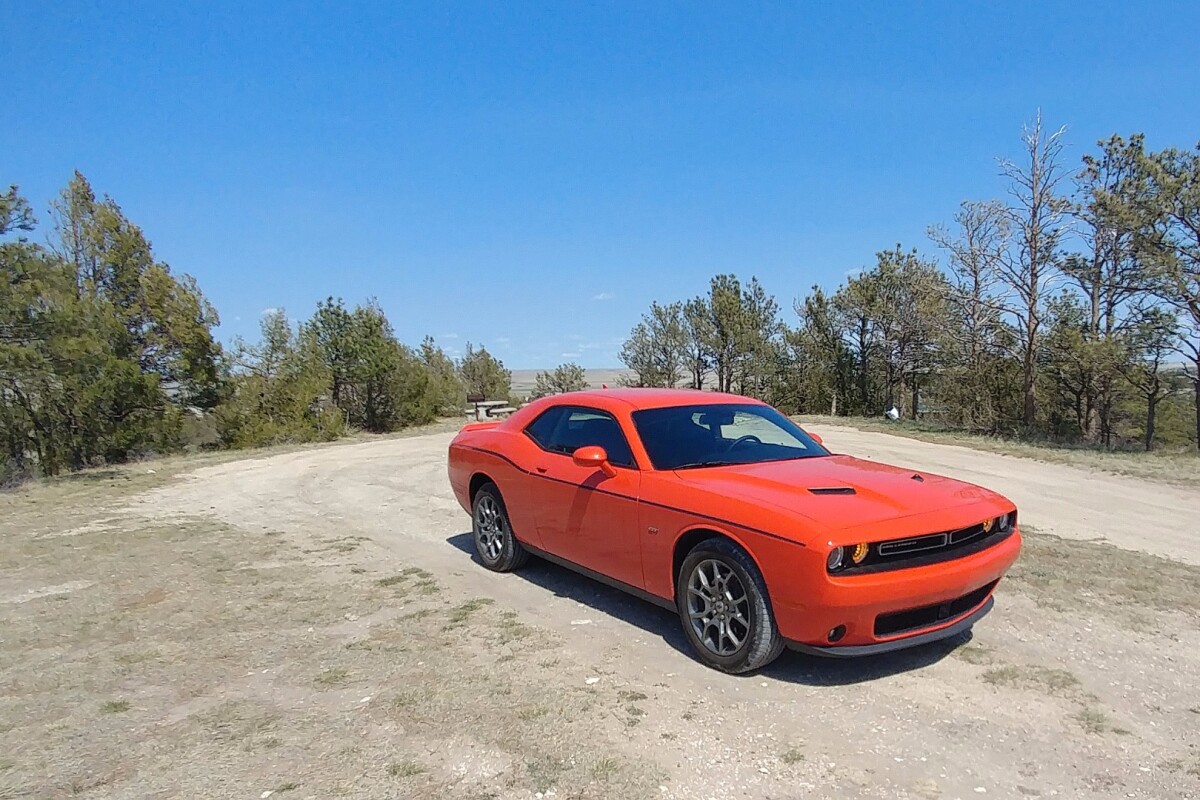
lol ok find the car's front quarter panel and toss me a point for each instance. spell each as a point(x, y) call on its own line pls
point(791, 550)
point(673, 512)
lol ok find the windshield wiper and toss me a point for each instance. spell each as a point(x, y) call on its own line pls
point(715, 462)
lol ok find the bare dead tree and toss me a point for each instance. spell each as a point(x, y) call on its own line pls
point(1039, 217)
point(977, 244)
point(980, 237)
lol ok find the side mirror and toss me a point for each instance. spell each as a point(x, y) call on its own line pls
point(815, 438)
point(594, 456)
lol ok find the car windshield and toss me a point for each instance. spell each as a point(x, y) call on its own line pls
point(686, 437)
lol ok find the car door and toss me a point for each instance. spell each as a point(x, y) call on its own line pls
point(584, 516)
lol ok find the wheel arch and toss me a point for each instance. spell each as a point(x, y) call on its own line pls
point(478, 481)
point(687, 541)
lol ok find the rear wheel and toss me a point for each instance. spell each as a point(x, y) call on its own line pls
point(723, 604)
point(498, 549)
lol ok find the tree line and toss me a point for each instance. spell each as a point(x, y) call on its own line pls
point(107, 355)
point(1069, 310)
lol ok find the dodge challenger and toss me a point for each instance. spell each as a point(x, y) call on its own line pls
point(723, 509)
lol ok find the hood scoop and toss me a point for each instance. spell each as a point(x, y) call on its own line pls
point(832, 490)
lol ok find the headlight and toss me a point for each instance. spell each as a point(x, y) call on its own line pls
point(1005, 523)
point(860, 552)
point(834, 562)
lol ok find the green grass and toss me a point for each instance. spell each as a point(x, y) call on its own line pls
point(530, 713)
point(116, 707)
point(605, 769)
point(463, 612)
point(792, 756)
point(1093, 720)
point(405, 769)
point(329, 678)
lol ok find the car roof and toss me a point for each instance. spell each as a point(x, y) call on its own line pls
point(639, 398)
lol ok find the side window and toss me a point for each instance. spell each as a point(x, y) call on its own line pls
point(541, 430)
point(565, 429)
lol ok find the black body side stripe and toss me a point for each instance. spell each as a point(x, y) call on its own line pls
point(729, 522)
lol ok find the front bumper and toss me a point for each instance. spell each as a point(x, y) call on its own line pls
point(891, 645)
point(889, 610)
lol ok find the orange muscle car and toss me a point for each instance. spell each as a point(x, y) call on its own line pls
point(722, 508)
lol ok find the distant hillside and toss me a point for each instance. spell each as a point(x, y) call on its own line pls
point(523, 379)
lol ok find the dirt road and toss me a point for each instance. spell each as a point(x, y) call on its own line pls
point(1067, 501)
point(1063, 692)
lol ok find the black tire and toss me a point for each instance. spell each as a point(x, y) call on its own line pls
point(749, 624)
point(495, 544)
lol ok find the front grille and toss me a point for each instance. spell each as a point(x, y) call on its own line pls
point(928, 616)
point(929, 548)
point(899, 547)
point(964, 535)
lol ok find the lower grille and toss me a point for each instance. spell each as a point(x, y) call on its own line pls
point(928, 616)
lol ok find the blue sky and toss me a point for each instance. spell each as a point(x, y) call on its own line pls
point(532, 176)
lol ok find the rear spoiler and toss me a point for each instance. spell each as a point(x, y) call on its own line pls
point(479, 426)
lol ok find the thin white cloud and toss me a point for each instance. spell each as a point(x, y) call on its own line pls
point(448, 336)
point(568, 355)
point(604, 296)
point(502, 340)
point(854, 273)
point(270, 310)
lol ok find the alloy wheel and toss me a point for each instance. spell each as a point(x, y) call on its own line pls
point(489, 528)
point(718, 607)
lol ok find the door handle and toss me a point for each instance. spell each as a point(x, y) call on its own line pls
point(542, 469)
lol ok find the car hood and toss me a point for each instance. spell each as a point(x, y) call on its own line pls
point(880, 492)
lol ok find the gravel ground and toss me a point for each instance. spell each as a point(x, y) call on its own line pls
point(1082, 683)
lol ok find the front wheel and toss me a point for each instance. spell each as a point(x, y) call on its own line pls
point(498, 549)
point(723, 604)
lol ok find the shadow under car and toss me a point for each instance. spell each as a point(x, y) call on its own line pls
point(795, 667)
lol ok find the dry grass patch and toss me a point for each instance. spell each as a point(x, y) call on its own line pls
point(1069, 575)
point(545, 773)
point(975, 654)
point(214, 681)
point(1093, 720)
point(1047, 680)
point(605, 769)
